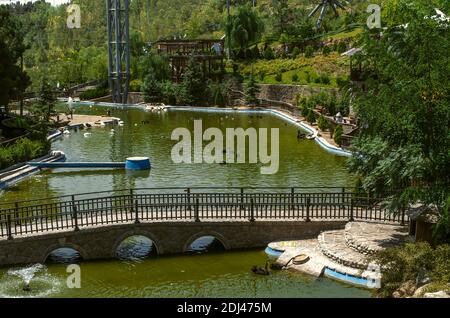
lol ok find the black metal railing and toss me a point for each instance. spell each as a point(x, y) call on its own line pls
point(75, 212)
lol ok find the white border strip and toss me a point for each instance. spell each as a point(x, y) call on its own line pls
point(323, 143)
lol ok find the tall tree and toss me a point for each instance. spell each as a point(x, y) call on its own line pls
point(403, 149)
point(245, 28)
point(13, 81)
point(194, 85)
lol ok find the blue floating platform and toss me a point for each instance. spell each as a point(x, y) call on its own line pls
point(133, 163)
point(138, 163)
point(52, 165)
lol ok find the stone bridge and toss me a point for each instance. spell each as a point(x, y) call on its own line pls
point(167, 238)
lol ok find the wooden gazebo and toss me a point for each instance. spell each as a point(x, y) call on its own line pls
point(208, 52)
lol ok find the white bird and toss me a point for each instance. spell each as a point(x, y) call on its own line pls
point(112, 130)
point(86, 135)
point(121, 123)
point(66, 132)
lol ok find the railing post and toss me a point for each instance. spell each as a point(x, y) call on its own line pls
point(188, 191)
point(351, 210)
point(16, 212)
point(308, 204)
point(131, 202)
point(10, 237)
point(293, 199)
point(197, 204)
point(136, 212)
point(75, 217)
point(242, 199)
point(252, 210)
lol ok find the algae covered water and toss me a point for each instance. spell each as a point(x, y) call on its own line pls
point(216, 274)
point(301, 162)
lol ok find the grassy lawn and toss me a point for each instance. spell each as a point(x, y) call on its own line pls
point(333, 65)
point(344, 35)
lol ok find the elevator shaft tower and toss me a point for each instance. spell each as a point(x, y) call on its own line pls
point(117, 12)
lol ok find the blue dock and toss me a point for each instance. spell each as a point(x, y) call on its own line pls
point(132, 163)
point(78, 164)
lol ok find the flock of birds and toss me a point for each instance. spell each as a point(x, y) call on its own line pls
point(112, 132)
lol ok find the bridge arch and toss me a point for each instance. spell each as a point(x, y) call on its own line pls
point(52, 248)
point(155, 241)
point(198, 235)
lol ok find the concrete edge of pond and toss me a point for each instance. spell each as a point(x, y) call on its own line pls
point(26, 170)
point(322, 142)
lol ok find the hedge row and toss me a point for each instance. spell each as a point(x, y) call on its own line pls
point(22, 151)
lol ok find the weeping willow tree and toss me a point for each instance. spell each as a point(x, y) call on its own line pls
point(245, 28)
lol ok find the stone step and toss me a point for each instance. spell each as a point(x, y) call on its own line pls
point(333, 245)
point(367, 238)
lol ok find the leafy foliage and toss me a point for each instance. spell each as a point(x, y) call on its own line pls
point(404, 115)
point(245, 28)
point(406, 263)
point(322, 123)
point(22, 151)
point(337, 136)
point(13, 81)
point(251, 92)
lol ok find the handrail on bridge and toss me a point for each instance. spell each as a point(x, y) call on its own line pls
point(179, 189)
point(191, 205)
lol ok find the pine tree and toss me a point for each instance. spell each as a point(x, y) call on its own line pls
point(43, 111)
point(251, 92)
point(194, 83)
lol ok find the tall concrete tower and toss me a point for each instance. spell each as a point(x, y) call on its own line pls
point(117, 12)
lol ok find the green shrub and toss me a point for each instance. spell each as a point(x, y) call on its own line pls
point(325, 79)
point(235, 68)
point(341, 47)
point(295, 52)
point(326, 50)
point(342, 82)
point(22, 151)
point(338, 132)
point(295, 77)
point(406, 263)
point(262, 75)
point(322, 123)
point(268, 54)
point(94, 93)
point(307, 77)
point(305, 105)
point(309, 51)
point(279, 76)
point(135, 85)
point(311, 118)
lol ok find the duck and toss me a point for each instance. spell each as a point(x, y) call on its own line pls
point(121, 123)
point(86, 135)
point(301, 135)
point(66, 132)
point(26, 288)
point(261, 271)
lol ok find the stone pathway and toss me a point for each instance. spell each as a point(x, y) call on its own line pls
point(344, 251)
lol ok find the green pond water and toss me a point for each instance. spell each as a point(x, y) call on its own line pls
point(218, 274)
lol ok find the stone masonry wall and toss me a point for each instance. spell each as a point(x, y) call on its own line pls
point(169, 238)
